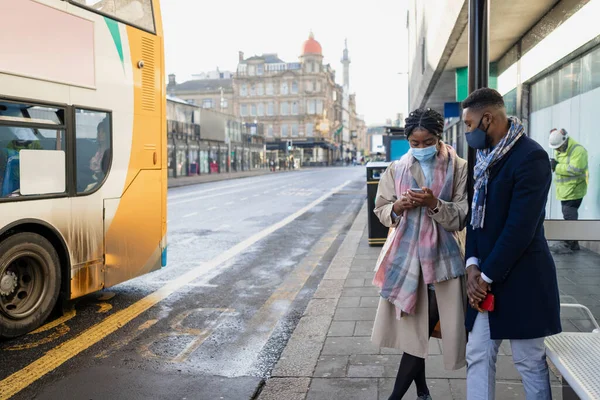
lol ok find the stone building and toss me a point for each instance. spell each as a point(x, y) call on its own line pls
point(296, 101)
point(207, 93)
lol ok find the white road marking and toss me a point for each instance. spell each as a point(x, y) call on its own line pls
point(229, 203)
point(190, 215)
point(243, 199)
point(212, 208)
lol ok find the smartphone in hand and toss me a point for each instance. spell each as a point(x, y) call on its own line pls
point(417, 190)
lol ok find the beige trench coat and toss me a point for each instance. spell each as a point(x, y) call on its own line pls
point(410, 333)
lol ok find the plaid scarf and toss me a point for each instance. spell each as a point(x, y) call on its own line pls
point(419, 245)
point(486, 159)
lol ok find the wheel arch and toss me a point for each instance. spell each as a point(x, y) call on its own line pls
point(52, 234)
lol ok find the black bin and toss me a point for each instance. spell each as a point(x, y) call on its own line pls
point(377, 232)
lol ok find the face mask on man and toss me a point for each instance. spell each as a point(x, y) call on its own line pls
point(424, 154)
point(478, 138)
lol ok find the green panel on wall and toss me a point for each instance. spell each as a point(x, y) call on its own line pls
point(462, 81)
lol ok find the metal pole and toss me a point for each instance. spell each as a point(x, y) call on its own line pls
point(479, 61)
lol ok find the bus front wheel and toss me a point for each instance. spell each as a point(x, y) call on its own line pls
point(29, 283)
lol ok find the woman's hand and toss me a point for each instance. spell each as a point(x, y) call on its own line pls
point(402, 204)
point(425, 199)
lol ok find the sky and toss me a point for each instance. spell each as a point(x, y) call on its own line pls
point(201, 36)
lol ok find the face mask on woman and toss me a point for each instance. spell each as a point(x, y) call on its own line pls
point(424, 154)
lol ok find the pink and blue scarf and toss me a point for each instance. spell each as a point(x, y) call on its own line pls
point(419, 245)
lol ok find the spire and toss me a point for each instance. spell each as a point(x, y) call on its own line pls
point(311, 35)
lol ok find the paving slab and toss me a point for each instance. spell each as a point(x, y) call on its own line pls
point(331, 367)
point(285, 388)
point(343, 388)
point(342, 328)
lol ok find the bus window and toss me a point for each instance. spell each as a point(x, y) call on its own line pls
point(93, 148)
point(133, 12)
point(25, 127)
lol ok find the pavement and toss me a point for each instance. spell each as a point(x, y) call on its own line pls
point(330, 355)
point(207, 178)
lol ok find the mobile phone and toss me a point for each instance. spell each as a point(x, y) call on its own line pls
point(488, 303)
point(416, 190)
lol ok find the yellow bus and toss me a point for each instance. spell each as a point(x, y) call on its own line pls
point(83, 177)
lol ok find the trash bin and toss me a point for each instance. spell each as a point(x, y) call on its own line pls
point(377, 232)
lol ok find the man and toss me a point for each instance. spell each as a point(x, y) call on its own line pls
point(570, 165)
point(507, 253)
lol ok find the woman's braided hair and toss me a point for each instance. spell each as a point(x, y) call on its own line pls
point(428, 119)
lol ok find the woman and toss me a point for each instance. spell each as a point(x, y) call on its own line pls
point(421, 269)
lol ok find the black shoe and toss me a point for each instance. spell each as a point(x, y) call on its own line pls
point(575, 247)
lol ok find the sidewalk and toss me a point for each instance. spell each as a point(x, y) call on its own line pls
point(194, 180)
point(330, 355)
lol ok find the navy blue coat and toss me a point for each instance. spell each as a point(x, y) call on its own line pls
point(513, 250)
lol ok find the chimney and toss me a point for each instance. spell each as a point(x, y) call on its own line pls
point(241, 55)
point(172, 80)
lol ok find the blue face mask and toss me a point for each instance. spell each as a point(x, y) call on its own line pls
point(424, 154)
point(478, 138)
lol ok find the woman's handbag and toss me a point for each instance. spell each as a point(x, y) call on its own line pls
point(437, 331)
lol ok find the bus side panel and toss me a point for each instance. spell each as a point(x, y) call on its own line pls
point(134, 231)
point(133, 237)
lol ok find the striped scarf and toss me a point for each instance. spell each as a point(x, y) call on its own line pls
point(419, 245)
point(486, 159)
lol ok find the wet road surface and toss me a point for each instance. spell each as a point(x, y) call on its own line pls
point(245, 257)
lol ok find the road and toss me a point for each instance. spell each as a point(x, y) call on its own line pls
point(245, 257)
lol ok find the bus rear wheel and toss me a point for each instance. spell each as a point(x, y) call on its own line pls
point(29, 283)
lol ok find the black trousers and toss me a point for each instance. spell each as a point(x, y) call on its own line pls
point(570, 210)
point(412, 369)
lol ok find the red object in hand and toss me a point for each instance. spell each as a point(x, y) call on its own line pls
point(488, 303)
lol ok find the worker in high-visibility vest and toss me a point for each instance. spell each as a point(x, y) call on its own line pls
point(570, 166)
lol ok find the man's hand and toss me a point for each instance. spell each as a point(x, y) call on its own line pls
point(553, 164)
point(425, 199)
point(477, 288)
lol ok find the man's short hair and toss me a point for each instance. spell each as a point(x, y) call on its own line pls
point(483, 98)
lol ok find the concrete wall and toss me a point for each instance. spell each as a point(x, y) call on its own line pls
point(212, 125)
point(434, 30)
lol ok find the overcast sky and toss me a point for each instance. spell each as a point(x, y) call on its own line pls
point(202, 35)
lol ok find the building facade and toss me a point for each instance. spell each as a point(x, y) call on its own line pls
point(206, 92)
point(202, 141)
point(298, 103)
point(544, 60)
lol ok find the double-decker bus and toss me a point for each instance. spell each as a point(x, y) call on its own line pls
point(83, 179)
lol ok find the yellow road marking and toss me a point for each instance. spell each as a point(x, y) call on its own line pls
point(120, 344)
point(103, 308)
point(54, 358)
point(61, 330)
point(197, 336)
point(59, 321)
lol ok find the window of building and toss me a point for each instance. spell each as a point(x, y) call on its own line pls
point(319, 106)
point(207, 103)
point(317, 67)
point(261, 109)
point(311, 106)
point(284, 130)
point(35, 128)
point(253, 110)
point(269, 88)
point(294, 130)
point(271, 108)
point(270, 131)
point(224, 103)
point(244, 110)
point(309, 129)
point(318, 86)
point(260, 69)
point(295, 108)
point(294, 87)
point(252, 90)
point(93, 148)
point(125, 11)
point(284, 108)
point(284, 88)
point(251, 70)
point(244, 90)
point(260, 89)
